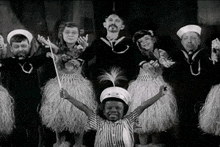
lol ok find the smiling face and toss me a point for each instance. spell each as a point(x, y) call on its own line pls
point(113, 23)
point(190, 41)
point(146, 42)
point(113, 110)
point(20, 49)
point(70, 35)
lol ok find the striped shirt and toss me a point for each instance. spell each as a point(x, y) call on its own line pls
point(113, 134)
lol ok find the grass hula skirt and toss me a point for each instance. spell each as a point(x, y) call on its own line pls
point(59, 114)
point(162, 115)
point(6, 112)
point(209, 117)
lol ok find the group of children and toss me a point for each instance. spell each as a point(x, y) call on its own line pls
point(113, 127)
point(69, 103)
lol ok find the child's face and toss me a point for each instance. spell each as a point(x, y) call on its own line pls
point(20, 49)
point(70, 35)
point(114, 110)
point(146, 42)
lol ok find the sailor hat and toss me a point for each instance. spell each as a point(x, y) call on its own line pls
point(20, 32)
point(116, 92)
point(189, 28)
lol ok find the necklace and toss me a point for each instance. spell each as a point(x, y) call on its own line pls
point(25, 71)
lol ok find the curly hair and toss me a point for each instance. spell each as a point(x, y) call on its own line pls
point(60, 42)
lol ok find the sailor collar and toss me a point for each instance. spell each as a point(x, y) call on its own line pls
point(190, 60)
point(22, 65)
point(110, 43)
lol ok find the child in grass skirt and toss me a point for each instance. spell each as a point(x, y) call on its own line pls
point(163, 114)
point(209, 116)
point(6, 112)
point(59, 114)
point(6, 102)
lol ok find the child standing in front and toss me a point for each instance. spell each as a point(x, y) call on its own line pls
point(58, 114)
point(163, 114)
point(114, 128)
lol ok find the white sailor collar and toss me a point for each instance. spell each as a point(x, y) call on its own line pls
point(194, 54)
point(110, 43)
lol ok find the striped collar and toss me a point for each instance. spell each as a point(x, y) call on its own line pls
point(194, 54)
point(110, 43)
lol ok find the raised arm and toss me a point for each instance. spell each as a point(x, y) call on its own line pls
point(150, 101)
point(43, 41)
point(64, 94)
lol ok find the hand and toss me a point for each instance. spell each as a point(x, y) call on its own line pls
point(216, 43)
point(215, 52)
point(3, 49)
point(49, 54)
point(83, 41)
point(166, 62)
point(155, 64)
point(64, 94)
point(42, 40)
point(163, 53)
point(147, 67)
point(163, 90)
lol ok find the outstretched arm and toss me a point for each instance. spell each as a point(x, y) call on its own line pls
point(150, 101)
point(64, 94)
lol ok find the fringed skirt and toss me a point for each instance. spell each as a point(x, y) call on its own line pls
point(209, 117)
point(6, 112)
point(59, 114)
point(160, 116)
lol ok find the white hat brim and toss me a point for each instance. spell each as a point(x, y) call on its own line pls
point(20, 32)
point(189, 28)
point(116, 92)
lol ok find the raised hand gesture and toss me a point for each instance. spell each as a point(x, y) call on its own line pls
point(83, 41)
point(215, 51)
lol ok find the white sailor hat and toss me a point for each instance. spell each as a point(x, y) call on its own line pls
point(116, 92)
point(20, 32)
point(189, 28)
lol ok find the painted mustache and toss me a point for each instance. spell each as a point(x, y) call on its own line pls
point(113, 26)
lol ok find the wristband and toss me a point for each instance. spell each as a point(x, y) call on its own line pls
point(142, 63)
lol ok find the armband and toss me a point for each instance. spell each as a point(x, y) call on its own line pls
point(81, 61)
point(142, 63)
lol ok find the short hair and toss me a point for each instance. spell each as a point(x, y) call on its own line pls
point(115, 13)
point(18, 38)
point(101, 106)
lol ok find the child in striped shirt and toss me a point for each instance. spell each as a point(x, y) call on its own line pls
point(114, 129)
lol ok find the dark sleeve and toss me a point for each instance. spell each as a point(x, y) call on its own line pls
point(215, 73)
point(39, 60)
point(7, 63)
point(90, 51)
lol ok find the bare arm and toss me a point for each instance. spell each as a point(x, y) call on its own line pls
point(150, 101)
point(64, 94)
point(43, 41)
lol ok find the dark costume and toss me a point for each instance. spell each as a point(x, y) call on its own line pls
point(21, 79)
point(122, 53)
point(191, 80)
